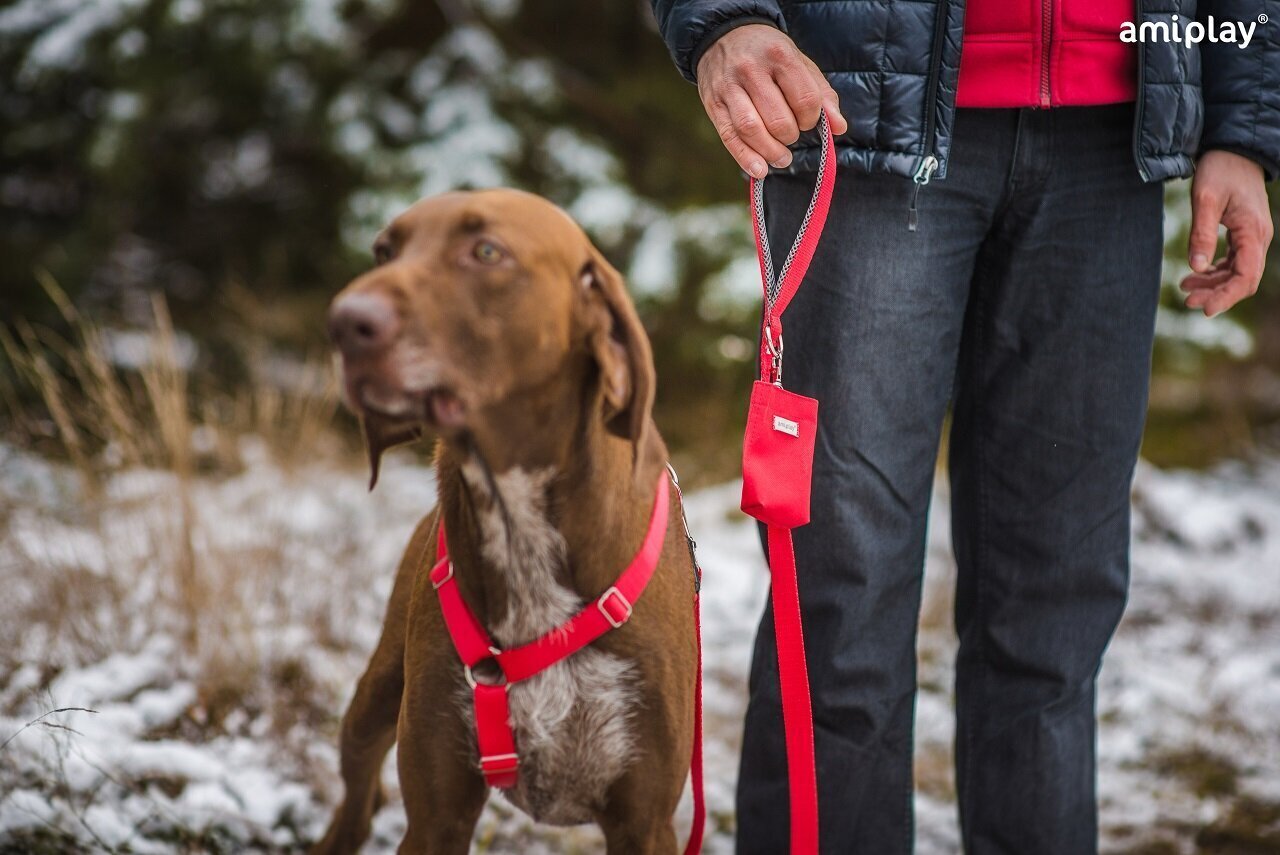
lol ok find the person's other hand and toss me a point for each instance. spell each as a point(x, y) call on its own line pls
point(1228, 189)
point(761, 92)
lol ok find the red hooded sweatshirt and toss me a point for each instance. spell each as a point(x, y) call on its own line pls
point(1046, 53)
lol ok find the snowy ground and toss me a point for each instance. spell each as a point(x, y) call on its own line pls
point(213, 725)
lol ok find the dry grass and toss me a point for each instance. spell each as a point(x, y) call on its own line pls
point(934, 773)
point(165, 419)
point(164, 414)
point(162, 518)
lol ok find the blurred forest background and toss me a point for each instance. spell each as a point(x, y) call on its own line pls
point(237, 158)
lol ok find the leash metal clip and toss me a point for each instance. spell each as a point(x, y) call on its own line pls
point(775, 351)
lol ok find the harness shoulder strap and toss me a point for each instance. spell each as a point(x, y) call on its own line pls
point(469, 637)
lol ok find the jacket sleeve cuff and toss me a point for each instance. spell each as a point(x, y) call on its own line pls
point(1270, 166)
point(712, 35)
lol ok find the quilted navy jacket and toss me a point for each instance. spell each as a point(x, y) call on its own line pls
point(895, 63)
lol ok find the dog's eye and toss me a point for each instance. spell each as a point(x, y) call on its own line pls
point(486, 252)
point(382, 253)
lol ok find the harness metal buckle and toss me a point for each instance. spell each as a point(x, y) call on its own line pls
point(436, 583)
point(471, 675)
point(603, 605)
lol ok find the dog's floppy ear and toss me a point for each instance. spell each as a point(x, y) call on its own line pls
point(379, 435)
point(621, 350)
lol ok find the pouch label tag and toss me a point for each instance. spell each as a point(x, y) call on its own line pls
point(786, 426)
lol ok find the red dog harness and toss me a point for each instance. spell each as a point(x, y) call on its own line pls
point(499, 759)
point(777, 472)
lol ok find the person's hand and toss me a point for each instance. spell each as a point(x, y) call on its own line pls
point(1227, 189)
point(761, 92)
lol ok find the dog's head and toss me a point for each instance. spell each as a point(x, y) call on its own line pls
point(481, 302)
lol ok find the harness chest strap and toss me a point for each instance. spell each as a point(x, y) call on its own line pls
point(610, 610)
point(499, 759)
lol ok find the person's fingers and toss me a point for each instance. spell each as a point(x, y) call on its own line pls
point(1211, 278)
point(750, 127)
point(1233, 284)
point(748, 159)
point(1204, 281)
point(1198, 298)
point(776, 113)
point(1206, 213)
point(804, 97)
point(1249, 237)
point(830, 100)
point(1223, 297)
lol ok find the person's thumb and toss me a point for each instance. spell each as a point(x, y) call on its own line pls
point(1206, 214)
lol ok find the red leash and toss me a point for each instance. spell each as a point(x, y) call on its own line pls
point(777, 473)
point(495, 738)
point(694, 845)
point(695, 765)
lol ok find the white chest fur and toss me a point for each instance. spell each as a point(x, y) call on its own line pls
point(572, 721)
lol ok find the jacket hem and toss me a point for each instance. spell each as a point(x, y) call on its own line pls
point(1159, 167)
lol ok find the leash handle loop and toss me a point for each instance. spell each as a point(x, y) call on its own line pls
point(781, 286)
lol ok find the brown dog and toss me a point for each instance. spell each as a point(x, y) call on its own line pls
point(492, 322)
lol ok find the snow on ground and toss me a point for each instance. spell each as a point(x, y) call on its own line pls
point(230, 745)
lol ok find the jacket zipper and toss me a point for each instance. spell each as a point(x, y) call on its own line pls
point(1138, 100)
point(929, 162)
point(923, 173)
point(1046, 46)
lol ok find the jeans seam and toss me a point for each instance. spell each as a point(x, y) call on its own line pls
point(979, 536)
point(1011, 180)
point(1051, 168)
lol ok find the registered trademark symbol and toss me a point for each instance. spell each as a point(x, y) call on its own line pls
point(1262, 19)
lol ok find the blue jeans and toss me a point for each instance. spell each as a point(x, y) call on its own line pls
point(1026, 300)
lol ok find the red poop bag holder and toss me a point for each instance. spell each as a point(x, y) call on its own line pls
point(777, 471)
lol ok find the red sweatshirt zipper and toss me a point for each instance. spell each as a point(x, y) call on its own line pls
point(1046, 43)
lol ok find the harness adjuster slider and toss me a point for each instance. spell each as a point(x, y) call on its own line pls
point(438, 578)
point(615, 607)
point(499, 764)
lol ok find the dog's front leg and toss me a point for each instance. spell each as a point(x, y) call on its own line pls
point(441, 784)
point(642, 833)
point(637, 818)
point(368, 732)
point(369, 725)
point(443, 795)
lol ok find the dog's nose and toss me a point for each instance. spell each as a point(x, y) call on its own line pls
point(362, 323)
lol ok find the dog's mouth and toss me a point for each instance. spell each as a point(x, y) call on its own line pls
point(444, 408)
point(391, 418)
point(436, 407)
